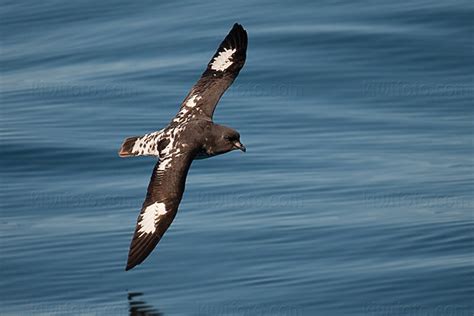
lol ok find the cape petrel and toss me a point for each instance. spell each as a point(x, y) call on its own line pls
point(190, 135)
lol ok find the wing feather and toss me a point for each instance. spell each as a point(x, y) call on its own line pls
point(164, 194)
point(221, 71)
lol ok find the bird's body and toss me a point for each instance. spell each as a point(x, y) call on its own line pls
point(190, 135)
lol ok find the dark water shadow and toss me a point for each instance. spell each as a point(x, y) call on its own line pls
point(138, 307)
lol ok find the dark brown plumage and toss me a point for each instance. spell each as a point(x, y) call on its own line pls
point(190, 135)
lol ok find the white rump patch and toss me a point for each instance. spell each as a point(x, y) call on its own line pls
point(224, 60)
point(144, 144)
point(150, 217)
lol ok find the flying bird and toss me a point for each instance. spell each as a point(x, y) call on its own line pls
point(190, 135)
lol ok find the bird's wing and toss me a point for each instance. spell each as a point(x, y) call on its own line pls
point(161, 204)
point(221, 71)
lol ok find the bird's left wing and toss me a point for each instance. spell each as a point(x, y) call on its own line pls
point(221, 71)
point(160, 207)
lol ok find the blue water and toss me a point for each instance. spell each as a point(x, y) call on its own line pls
point(355, 196)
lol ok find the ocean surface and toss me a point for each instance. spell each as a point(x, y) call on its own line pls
point(355, 196)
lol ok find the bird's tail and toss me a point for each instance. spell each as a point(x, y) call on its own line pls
point(146, 145)
point(126, 150)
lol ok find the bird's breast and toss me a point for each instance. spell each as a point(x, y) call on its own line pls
point(203, 154)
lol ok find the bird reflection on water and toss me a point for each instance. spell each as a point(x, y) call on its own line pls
point(139, 307)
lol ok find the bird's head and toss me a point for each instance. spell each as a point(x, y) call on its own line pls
point(232, 140)
point(227, 139)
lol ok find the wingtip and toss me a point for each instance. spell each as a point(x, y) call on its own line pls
point(238, 27)
point(131, 263)
point(237, 37)
point(129, 266)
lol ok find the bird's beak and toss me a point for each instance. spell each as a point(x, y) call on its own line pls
point(240, 146)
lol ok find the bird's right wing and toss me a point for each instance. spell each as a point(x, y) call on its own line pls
point(221, 71)
point(160, 207)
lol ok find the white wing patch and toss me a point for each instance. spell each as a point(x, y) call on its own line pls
point(193, 101)
point(150, 217)
point(224, 60)
point(183, 116)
